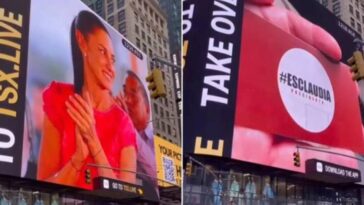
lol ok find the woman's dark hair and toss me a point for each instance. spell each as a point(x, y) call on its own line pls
point(86, 22)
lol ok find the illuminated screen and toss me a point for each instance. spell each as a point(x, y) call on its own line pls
point(79, 88)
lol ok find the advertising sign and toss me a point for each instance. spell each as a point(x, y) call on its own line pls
point(330, 172)
point(79, 89)
point(169, 160)
point(291, 90)
point(14, 30)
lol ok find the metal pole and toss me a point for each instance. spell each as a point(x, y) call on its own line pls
point(327, 151)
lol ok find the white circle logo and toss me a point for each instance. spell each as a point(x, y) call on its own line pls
point(306, 90)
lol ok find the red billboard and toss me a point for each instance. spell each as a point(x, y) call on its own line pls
point(82, 97)
point(287, 91)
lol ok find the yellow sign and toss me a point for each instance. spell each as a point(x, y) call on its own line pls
point(169, 162)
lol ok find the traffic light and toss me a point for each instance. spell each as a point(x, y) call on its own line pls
point(156, 84)
point(296, 159)
point(188, 168)
point(357, 65)
point(88, 176)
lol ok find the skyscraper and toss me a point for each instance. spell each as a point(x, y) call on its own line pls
point(173, 10)
point(349, 11)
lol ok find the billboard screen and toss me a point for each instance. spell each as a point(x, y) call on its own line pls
point(169, 160)
point(258, 82)
point(79, 89)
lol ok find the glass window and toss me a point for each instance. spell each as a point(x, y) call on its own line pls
point(163, 127)
point(122, 27)
point(120, 3)
point(143, 35)
point(149, 40)
point(136, 29)
point(138, 42)
point(351, 9)
point(144, 48)
point(169, 129)
point(110, 7)
point(136, 17)
point(359, 27)
point(162, 23)
point(357, 14)
point(155, 106)
point(121, 15)
point(352, 22)
point(111, 19)
point(336, 8)
point(150, 52)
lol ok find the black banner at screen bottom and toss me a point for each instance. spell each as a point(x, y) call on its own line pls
point(332, 173)
point(14, 31)
point(119, 190)
point(212, 37)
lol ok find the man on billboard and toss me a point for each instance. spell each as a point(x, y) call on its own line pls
point(82, 123)
point(135, 102)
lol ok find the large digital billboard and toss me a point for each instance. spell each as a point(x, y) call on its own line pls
point(262, 82)
point(73, 97)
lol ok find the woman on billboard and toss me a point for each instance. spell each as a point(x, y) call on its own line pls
point(82, 123)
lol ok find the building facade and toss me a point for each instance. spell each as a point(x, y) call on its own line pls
point(351, 12)
point(145, 24)
point(172, 9)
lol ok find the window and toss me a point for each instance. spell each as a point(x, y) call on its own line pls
point(159, 39)
point(145, 6)
point(110, 7)
point(149, 40)
point(143, 35)
point(351, 9)
point(357, 3)
point(359, 27)
point(165, 55)
point(164, 43)
point(150, 52)
point(121, 15)
point(357, 14)
point(122, 27)
point(352, 22)
point(148, 28)
point(155, 106)
point(362, 19)
point(142, 22)
point(160, 51)
point(169, 129)
point(162, 23)
point(138, 42)
point(111, 19)
point(156, 18)
point(144, 48)
point(120, 3)
point(336, 8)
point(136, 16)
point(151, 13)
point(136, 29)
